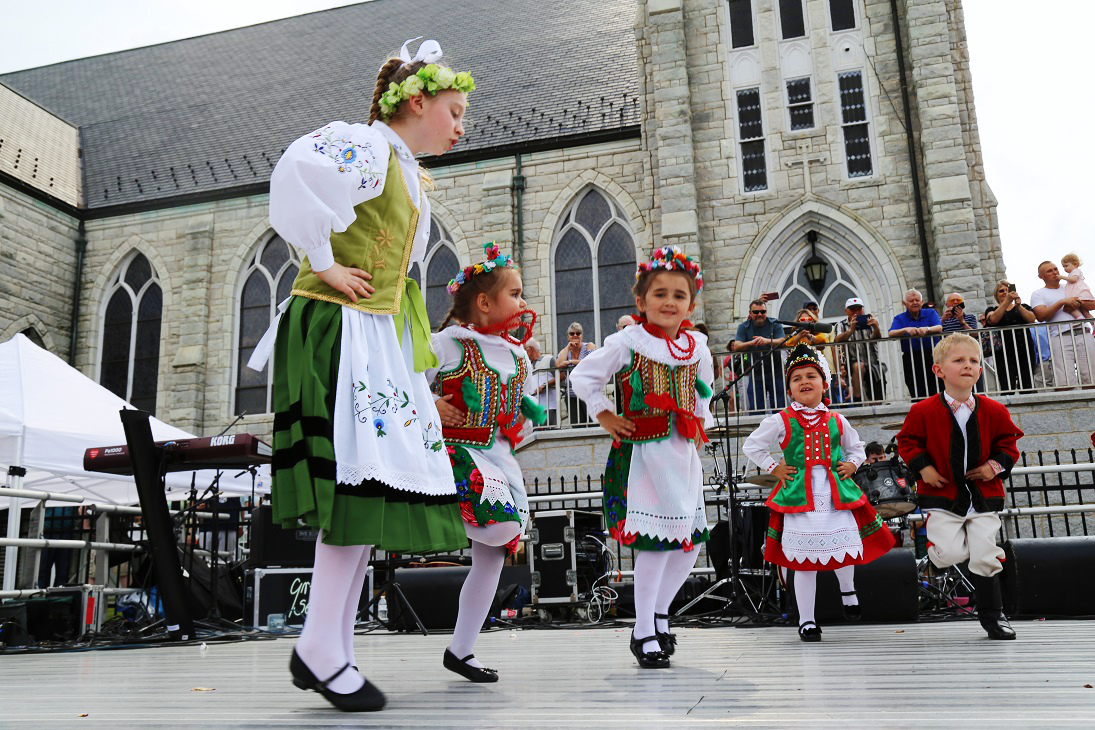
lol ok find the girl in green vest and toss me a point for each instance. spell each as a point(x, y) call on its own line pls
point(820, 519)
point(479, 384)
point(358, 452)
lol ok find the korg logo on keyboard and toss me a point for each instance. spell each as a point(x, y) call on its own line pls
point(222, 440)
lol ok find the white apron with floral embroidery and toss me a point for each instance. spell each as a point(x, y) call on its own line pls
point(386, 425)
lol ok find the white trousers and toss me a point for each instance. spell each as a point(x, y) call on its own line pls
point(953, 539)
point(1073, 357)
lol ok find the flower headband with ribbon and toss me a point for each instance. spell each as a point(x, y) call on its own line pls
point(431, 78)
point(672, 258)
point(495, 260)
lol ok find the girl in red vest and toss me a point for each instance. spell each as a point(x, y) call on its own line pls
point(653, 488)
point(820, 519)
point(479, 386)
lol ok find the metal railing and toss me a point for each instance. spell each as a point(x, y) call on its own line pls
point(1037, 358)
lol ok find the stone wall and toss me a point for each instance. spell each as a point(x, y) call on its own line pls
point(37, 269)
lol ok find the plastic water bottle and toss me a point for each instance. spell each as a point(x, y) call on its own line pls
point(382, 609)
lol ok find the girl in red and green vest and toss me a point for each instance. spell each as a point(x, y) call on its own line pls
point(820, 519)
point(479, 385)
point(653, 483)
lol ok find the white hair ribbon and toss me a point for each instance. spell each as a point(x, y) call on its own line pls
point(428, 52)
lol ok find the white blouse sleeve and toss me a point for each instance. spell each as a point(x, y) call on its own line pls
point(448, 356)
point(591, 375)
point(758, 447)
point(851, 443)
point(319, 180)
point(707, 375)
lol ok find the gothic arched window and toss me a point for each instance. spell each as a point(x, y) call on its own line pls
point(130, 362)
point(840, 286)
point(440, 265)
point(267, 280)
point(594, 267)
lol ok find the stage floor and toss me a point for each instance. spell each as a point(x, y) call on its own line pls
point(912, 675)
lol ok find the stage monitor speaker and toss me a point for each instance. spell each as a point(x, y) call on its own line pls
point(273, 546)
point(887, 588)
point(1049, 577)
point(45, 618)
point(434, 594)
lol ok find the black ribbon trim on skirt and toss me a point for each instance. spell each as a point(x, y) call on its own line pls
point(375, 488)
point(310, 425)
point(318, 467)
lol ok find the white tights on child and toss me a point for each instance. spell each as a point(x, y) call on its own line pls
point(481, 585)
point(326, 642)
point(806, 590)
point(658, 576)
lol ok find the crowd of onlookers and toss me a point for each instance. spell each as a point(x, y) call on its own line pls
point(1061, 353)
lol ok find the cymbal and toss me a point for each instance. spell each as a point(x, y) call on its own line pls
point(895, 426)
point(730, 431)
point(761, 480)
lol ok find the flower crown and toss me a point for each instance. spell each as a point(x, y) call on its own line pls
point(495, 260)
point(671, 258)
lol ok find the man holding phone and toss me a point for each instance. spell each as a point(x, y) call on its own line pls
point(861, 359)
point(758, 334)
point(955, 317)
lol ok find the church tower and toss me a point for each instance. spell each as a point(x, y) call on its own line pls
point(769, 121)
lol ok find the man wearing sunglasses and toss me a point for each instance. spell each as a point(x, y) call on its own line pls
point(758, 334)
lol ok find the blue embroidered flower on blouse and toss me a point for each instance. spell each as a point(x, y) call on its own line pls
point(348, 155)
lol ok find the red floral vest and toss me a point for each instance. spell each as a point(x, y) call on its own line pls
point(645, 376)
point(499, 402)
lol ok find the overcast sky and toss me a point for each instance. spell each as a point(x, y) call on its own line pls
point(1028, 63)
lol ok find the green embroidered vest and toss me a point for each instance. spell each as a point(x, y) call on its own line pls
point(804, 448)
point(379, 241)
point(644, 376)
point(478, 390)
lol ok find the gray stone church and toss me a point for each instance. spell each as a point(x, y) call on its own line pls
point(134, 238)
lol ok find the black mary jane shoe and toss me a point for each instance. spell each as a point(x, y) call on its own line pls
point(366, 699)
point(852, 613)
point(809, 631)
point(649, 659)
point(467, 671)
point(666, 640)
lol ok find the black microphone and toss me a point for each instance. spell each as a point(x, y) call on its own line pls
point(812, 327)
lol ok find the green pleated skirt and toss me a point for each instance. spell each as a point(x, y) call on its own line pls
point(304, 486)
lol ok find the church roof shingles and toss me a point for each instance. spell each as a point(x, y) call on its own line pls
point(213, 113)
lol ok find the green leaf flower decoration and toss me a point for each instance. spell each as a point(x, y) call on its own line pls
point(430, 79)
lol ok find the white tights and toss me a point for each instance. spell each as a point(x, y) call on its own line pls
point(806, 590)
point(481, 585)
point(658, 576)
point(326, 642)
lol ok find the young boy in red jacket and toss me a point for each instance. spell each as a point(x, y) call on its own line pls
point(963, 446)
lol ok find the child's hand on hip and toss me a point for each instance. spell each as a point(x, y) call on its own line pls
point(783, 472)
point(351, 282)
point(932, 477)
point(450, 414)
point(845, 469)
point(618, 426)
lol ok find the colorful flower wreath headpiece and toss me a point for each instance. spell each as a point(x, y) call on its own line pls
point(431, 78)
point(671, 258)
point(495, 260)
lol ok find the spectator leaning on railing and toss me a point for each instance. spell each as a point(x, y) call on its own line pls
point(955, 316)
point(1070, 342)
point(758, 334)
point(865, 370)
point(540, 385)
point(575, 351)
point(914, 325)
point(1013, 351)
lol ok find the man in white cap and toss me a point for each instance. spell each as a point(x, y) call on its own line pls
point(865, 371)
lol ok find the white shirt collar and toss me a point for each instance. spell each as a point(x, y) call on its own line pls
point(397, 143)
point(955, 404)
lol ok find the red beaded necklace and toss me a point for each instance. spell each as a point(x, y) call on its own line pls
point(686, 352)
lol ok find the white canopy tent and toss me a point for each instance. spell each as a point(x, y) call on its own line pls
point(50, 413)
